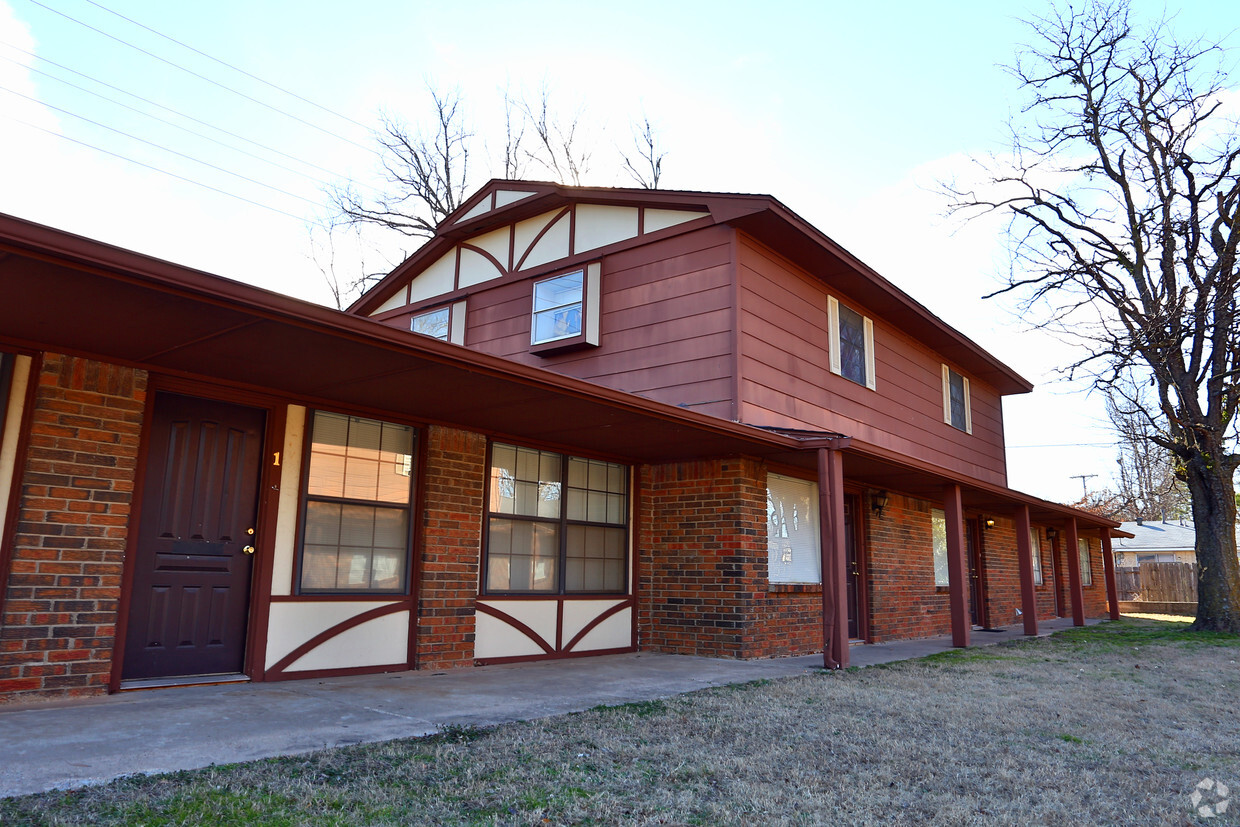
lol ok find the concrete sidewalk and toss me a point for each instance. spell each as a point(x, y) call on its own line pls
point(68, 744)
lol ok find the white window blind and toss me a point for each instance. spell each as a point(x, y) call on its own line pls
point(792, 530)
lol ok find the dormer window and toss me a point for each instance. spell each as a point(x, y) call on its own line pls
point(852, 343)
point(565, 310)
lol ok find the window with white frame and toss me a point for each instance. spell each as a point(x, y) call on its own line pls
point(852, 343)
point(556, 524)
point(446, 323)
point(1087, 574)
point(957, 410)
point(356, 500)
point(1035, 553)
point(938, 539)
point(566, 310)
point(793, 549)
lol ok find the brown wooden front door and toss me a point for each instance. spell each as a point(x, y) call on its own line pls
point(191, 584)
point(855, 584)
point(973, 548)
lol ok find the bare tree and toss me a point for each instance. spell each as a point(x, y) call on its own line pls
point(427, 175)
point(331, 245)
point(1148, 484)
point(559, 145)
point(647, 167)
point(1123, 196)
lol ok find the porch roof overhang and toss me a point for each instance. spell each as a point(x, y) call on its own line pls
point(68, 294)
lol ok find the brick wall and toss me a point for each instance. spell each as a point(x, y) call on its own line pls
point(452, 489)
point(76, 484)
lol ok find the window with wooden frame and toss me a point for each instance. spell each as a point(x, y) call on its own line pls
point(565, 310)
point(1035, 553)
point(793, 551)
point(938, 542)
point(1087, 574)
point(357, 491)
point(556, 524)
point(957, 409)
point(446, 323)
point(852, 343)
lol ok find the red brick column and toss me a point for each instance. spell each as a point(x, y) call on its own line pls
point(453, 487)
point(703, 560)
point(77, 482)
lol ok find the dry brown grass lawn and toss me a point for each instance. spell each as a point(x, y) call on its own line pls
point(1109, 725)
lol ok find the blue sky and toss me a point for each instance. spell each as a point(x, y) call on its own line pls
point(847, 112)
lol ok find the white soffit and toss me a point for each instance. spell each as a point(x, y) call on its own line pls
point(396, 300)
point(662, 219)
point(551, 247)
point(505, 197)
point(439, 278)
point(598, 226)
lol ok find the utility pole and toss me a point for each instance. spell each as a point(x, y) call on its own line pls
point(1082, 478)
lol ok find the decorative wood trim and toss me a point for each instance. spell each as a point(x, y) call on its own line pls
point(556, 656)
point(278, 669)
point(593, 624)
point(516, 624)
point(498, 266)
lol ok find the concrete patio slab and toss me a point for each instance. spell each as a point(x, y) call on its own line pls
point(65, 744)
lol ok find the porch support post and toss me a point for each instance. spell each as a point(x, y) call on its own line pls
point(1024, 554)
point(957, 566)
point(831, 544)
point(1074, 573)
point(1108, 572)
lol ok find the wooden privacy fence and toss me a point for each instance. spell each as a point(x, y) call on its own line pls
point(1158, 583)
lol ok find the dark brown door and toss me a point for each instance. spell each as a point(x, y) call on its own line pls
point(1056, 568)
point(973, 548)
point(852, 552)
point(191, 583)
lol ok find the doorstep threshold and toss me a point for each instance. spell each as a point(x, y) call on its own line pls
point(183, 680)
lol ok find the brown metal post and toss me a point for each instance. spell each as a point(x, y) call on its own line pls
point(957, 566)
point(834, 575)
point(1024, 555)
point(1072, 552)
point(1108, 571)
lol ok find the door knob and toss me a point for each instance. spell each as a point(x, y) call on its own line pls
point(248, 549)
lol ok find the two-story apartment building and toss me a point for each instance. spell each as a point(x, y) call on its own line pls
point(577, 421)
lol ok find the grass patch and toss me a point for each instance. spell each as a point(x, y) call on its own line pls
point(1048, 731)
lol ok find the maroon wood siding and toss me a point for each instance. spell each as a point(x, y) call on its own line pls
point(786, 379)
point(666, 323)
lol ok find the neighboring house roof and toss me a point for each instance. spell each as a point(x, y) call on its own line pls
point(761, 216)
point(1151, 536)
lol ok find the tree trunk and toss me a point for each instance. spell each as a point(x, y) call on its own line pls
point(1218, 570)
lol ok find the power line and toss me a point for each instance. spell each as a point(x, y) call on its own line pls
point(1068, 445)
point(229, 65)
point(298, 218)
point(186, 129)
point(164, 148)
point(205, 78)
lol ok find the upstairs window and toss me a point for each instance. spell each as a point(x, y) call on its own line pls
point(565, 310)
point(356, 523)
point(956, 406)
point(793, 551)
point(852, 343)
point(446, 323)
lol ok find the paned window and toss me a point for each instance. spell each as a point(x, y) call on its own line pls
point(852, 343)
point(556, 524)
point(558, 305)
point(446, 323)
point(1087, 574)
point(433, 323)
point(938, 537)
point(1035, 552)
point(956, 406)
point(792, 530)
point(356, 505)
